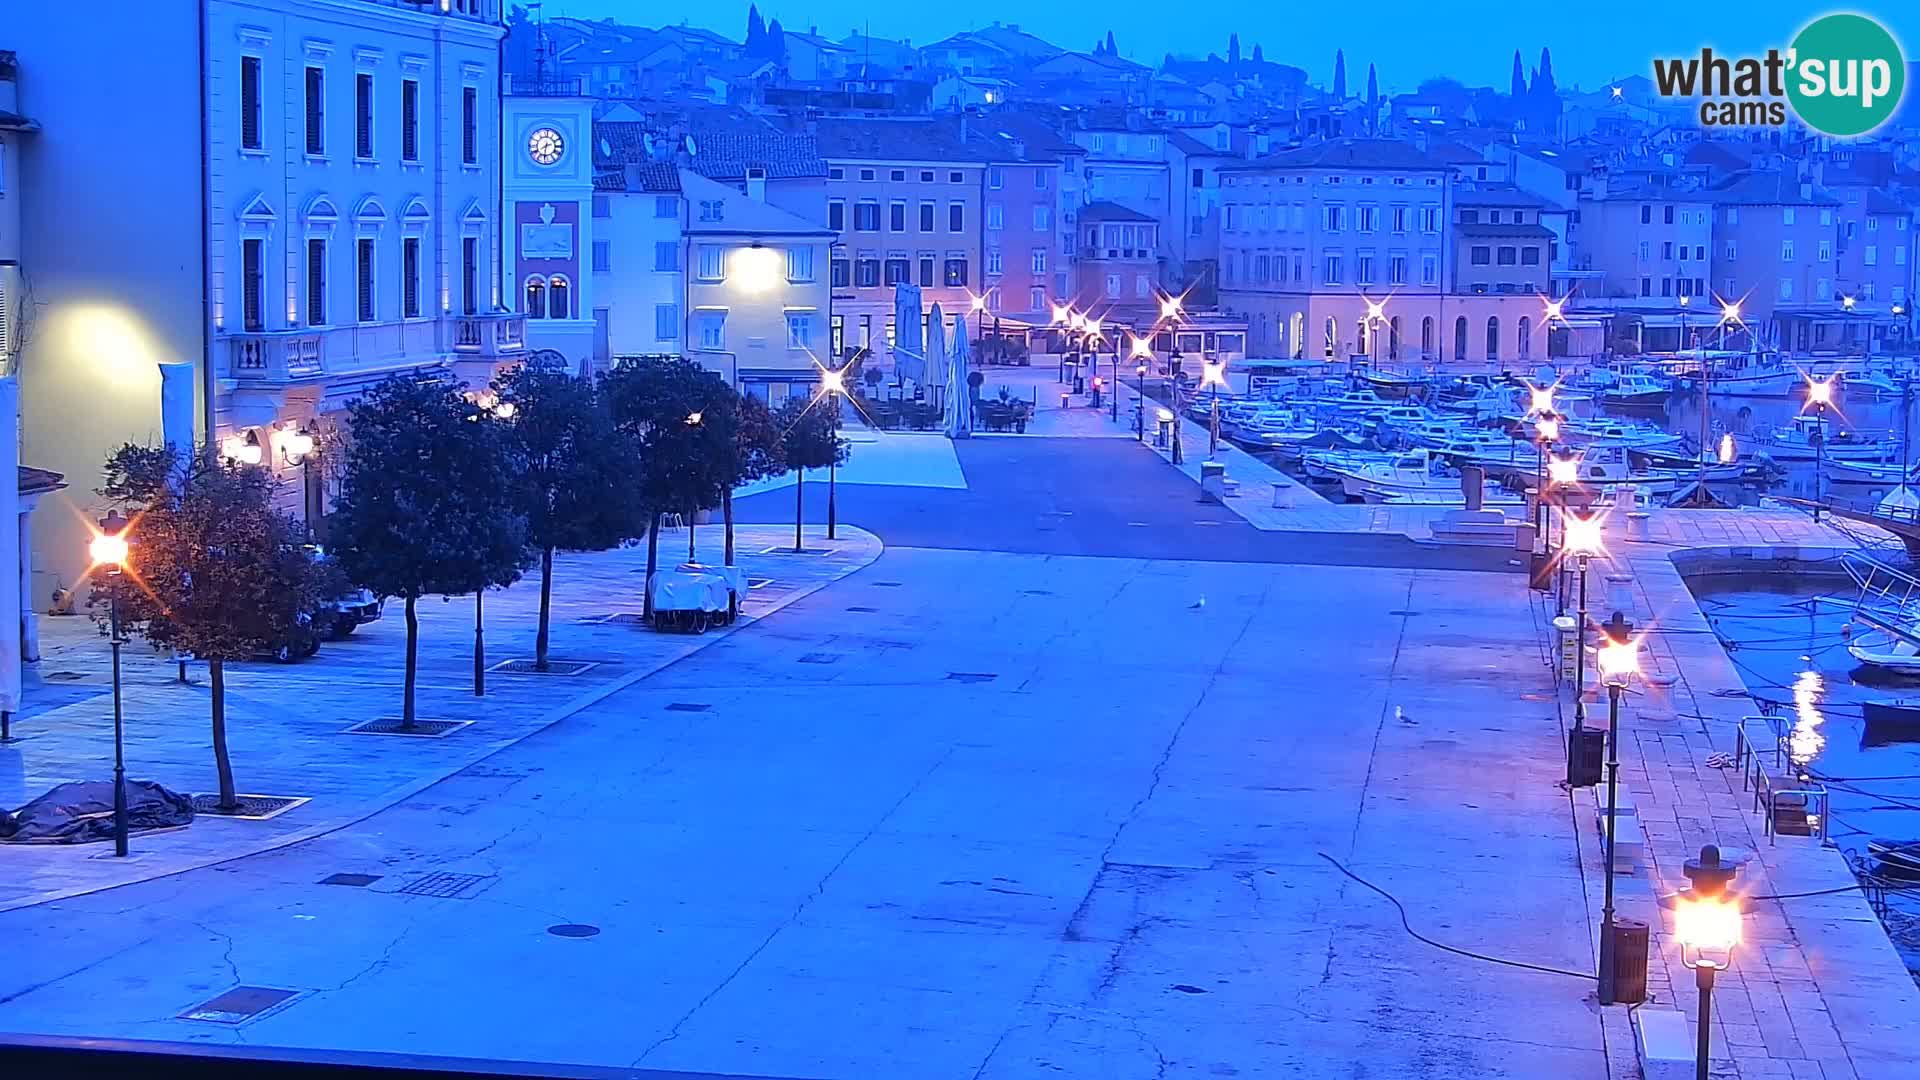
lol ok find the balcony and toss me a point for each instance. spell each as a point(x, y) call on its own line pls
point(274, 356)
point(279, 357)
point(494, 335)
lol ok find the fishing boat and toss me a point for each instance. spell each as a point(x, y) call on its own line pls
point(1889, 474)
point(1884, 650)
point(1797, 442)
point(1395, 386)
point(1361, 402)
point(1635, 389)
point(1414, 474)
point(1328, 465)
point(1493, 402)
point(1750, 374)
point(1876, 385)
point(1605, 432)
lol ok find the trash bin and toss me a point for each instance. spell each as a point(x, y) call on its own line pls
point(1586, 752)
point(1629, 961)
point(1213, 481)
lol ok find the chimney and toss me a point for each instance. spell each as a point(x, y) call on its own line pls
point(756, 183)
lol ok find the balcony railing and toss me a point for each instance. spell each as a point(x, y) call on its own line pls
point(277, 357)
point(500, 333)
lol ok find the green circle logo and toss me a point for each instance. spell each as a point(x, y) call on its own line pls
point(1846, 74)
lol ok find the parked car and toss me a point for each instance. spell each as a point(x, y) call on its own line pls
point(302, 639)
point(351, 610)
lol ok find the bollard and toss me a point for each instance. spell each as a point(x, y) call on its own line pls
point(1637, 524)
point(1163, 433)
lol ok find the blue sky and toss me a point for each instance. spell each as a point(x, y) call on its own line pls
point(1409, 39)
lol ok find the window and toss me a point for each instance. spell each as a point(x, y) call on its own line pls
point(1646, 215)
point(1430, 219)
point(1039, 184)
point(1399, 219)
point(1786, 288)
point(1732, 251)
point(926, 217)
point(1666, 249)
point(897, 216)
point(316, 282)
point(470, 125)
point(1369, 217)
point(956, 217)
point(1529, 256)
point(253, 260)
point(666, 206)
point(994, 261)
point(1042, 217)
point(1646, 286)
point(316, 111)
point(713, 262)
point(409, 120)
point(1113, 286)
point(1336, 217)
point(926, 271)
point(842, 273)
point(956, 177)
point(956, 275)
point(1826, 218)
point(666, 322)
point(713, 210)
point(470, 274)
point(1823, 252)
point(713, 329)
point(836, 173)
point(1429, 269)
point(866, 174)
point(1786, 251)
point(250, 102)
point(602, 256)
point(1199, 179)
point(866, 273)
point(996, 179)
point(364, 308)
point(1666, 286)
point(1363, 267)
point(1469, 217)
point(926, 176)
point(1669, 214)
point(866, 216)
point(1332, 268)
point(363, 115)
point(536, 297)
point(1786, 215)
point(1505, 256)
point(1396, 269)
point(1480, 255)
point(666, 255)
point(995, 216)
point(899, 270)
point(837, 214)
point(898, 174)
point(410, 277)
point(1039, 263)
point(799, 330)
point(799, 263)
point(1037, 297)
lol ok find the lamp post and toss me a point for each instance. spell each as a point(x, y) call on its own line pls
point(1819, 396)
point(1376, 318)
point(1581, 536)
point(1561, 472)
point(1618, 660)
point(109, 549)
point(833, 381)
point(1140, 400)
point(1707, 925)
point(1173, 399)
point(503, 412)
point(1213, 372)
point(296, 445)
point(1546, 432)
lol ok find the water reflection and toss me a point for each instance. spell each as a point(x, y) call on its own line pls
point(1805, 741)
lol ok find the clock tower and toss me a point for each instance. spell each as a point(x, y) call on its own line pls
point(547, 180)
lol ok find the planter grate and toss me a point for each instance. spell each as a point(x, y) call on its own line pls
point(788, 550)
point(446, 885)
point(864, 610)
point(972, 676)
point(554, 667)
point(820, 658)
point(358, 881)
point(239, 1005)
point(422, 729)
point(688, 706)
point(573, 930)
point(886, 584)
point(251, 808)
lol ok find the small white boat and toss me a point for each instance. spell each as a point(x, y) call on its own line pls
point(1637, 389)
point(1876, 647)
point(1416, 474)
point(1865, 472)
point(1878, 385)
point(1796, 442)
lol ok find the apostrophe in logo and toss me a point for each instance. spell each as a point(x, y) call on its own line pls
point(1843, 75)
point(1847, 74)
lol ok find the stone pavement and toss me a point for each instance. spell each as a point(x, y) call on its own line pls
point(286, 722)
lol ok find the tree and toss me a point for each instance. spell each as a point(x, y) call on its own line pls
point(759, 452)
point(429, 504)
point(1258, 56)
point(1111, 51)
point(575, 487)
point(653, 401)
point(810, 435)
point(212, 570)
point(1545, 96)
point(1519, 84)
point(1340, 74)
point(776, 43)
point(1373, 100)
point(756, 31)
point(1233, 49)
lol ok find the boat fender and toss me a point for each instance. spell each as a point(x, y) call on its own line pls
point(1846, 632)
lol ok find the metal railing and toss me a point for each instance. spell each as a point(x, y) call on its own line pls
point(1770, 797)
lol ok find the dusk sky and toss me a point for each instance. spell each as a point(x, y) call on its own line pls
point(1409, 39)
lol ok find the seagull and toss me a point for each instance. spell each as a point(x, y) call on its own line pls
point(1198, 604)
point(1400, 715)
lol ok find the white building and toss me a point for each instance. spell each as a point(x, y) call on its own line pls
point(304, 201)
point(639, 258)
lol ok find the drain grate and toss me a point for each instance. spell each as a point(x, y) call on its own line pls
point(573, 930)
point(251, 808)
point(358, 881)
point(554, 667)
point(239, 1005)
point(447, 885)
point(688, 706)
point(820, 658)
point(864, 610)
point(421, 729)
point(1403, 611)
point(972, 676)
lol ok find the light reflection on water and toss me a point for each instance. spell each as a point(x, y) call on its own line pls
point(1804, 742)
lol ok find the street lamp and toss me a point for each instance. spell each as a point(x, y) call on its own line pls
point(1173, 399)
point(1140, 400)
point(1376, 317)
point(109, 549)
point(1618, 660)
point(833, 381)
point(1561, 472)
point(1546, 432)
point(1708, 929)
point(1213, 373)
point(979, 306)
point(1582, 537)
point(1819, 396)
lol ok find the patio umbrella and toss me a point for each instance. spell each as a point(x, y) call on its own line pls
point(960, 398)
point(935, 360)
point(909, 352)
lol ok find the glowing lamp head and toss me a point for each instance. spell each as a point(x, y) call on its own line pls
point(833, 381)
point(108, 549)
point(505, 410)
point(1092, 327)
point(1685, 300)
point(1142, 347)
point(1707, 926)
point(1169, 307)
point(1583, 536)
point(1140, 370)
point(1062, 314)
point(1166, 416)
point(1619, 661)
point(1376, 310)
point(1726, 449)
point(1076, 321)
point(1548, 429)
point(693, 419)
point(1730, 310)
point(755, 269)
point(1554, 307)
point(977, 303)
point(1213, 373)
point(1563, 470)
point(1899, 309)
point(1542, 399)
point(246, 450)
point(1847, 302)
point(1819, 391)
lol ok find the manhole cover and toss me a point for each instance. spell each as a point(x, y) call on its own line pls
point(820, 658)
point(250, 807)
point(1209, 523)
point(554, 667)
point(1187, 988)
point(688, 706)
point(358, 881)
point(238, 1005)
point(971, 676)
point(886, 584)
point(573, 930)
point(421, 729)
point(864, 610)
point(446, 884)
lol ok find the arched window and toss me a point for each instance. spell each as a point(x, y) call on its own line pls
point(1460, 338)
point(1333, 336)
point(1526, 337)
point(1426, 337)
point(1493, 337)
point(536, 297)
point(1393, 338)
point(1298, 327)
point(557, 297)
point(1362, 342)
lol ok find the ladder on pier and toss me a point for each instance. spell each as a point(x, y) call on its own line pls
point(1889, 599)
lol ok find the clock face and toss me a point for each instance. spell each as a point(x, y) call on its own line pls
point(544, 146)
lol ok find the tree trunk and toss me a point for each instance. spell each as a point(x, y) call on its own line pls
point(799, 505)
point(726, 511)
point(690, 519)
point(413, 666)
point(653, 560)
point(217, 680)
point(546, 609)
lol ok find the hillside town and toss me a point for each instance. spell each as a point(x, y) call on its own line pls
point(1196, 563)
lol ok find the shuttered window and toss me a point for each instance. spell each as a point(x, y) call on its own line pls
point(364, 272)
point(316, 283)
point(316, 111)
point(250, 102)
